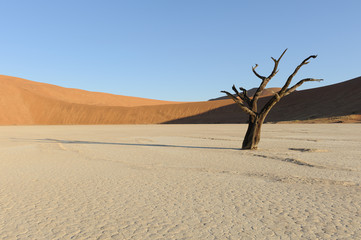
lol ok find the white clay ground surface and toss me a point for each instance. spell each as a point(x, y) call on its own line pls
point(180, 182)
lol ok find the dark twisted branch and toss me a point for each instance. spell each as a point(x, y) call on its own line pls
point(255, 73)
point(275, 70)
point(265, 80)
point(242, 95)
point(285, 90)
point(288, 82)
point(242, 98)
point(241, 104)
point(293, 88)
point(244, 91)
point(245, 95)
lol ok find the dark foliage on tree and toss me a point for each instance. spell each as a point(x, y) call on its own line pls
point(249, 104)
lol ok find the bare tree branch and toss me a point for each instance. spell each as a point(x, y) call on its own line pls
point(256, 118)
point(244, 91)
point(265, 81)
point(277, 97)
point(293, 88)
point(245, 95)
point(259, 76)
point(275, 71)
point(288, 82)
point(267, 107)
point(240, 104)
point(242, 95)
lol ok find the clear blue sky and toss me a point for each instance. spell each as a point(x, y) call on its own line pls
point(185, 50)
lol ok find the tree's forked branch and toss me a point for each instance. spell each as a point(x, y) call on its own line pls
point(244, 91)
point(274, 71)
point(293, 88)
point(255, 73)
point(288, 82)
point(265, 81)
point(276, 62)
point(242, 95)
point(245, 95)
point(240, 104)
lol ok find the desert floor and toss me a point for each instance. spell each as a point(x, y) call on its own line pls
point(180, 182)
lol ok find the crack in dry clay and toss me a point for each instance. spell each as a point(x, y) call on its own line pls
point(304, 163)
point(308, 150)
point(290, 160)
point(301, 180)
point(215, 139)
point(295, 139)
point(300, 162)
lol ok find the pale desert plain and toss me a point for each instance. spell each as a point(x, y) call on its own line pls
point(180, 182)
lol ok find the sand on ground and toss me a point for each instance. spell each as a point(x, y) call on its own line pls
point(180, 182)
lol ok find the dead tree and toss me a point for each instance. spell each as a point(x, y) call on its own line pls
point(249, 104)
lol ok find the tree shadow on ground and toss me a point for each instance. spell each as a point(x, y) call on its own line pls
point(50, 140)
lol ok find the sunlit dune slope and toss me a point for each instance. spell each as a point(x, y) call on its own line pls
point(24, 102)
point(72, 95)
point(45, 111)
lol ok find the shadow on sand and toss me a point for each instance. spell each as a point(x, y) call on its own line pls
point(50, 140)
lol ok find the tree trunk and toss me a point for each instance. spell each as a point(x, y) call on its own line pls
point(249, 105)
point(253, 134)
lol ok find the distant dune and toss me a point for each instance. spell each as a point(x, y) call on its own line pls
point(24, 102)
point(27, 102)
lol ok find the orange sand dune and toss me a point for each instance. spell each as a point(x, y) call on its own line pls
point(24, 102)
point(72, 95)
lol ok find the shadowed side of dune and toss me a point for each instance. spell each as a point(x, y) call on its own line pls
point(336, 100)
